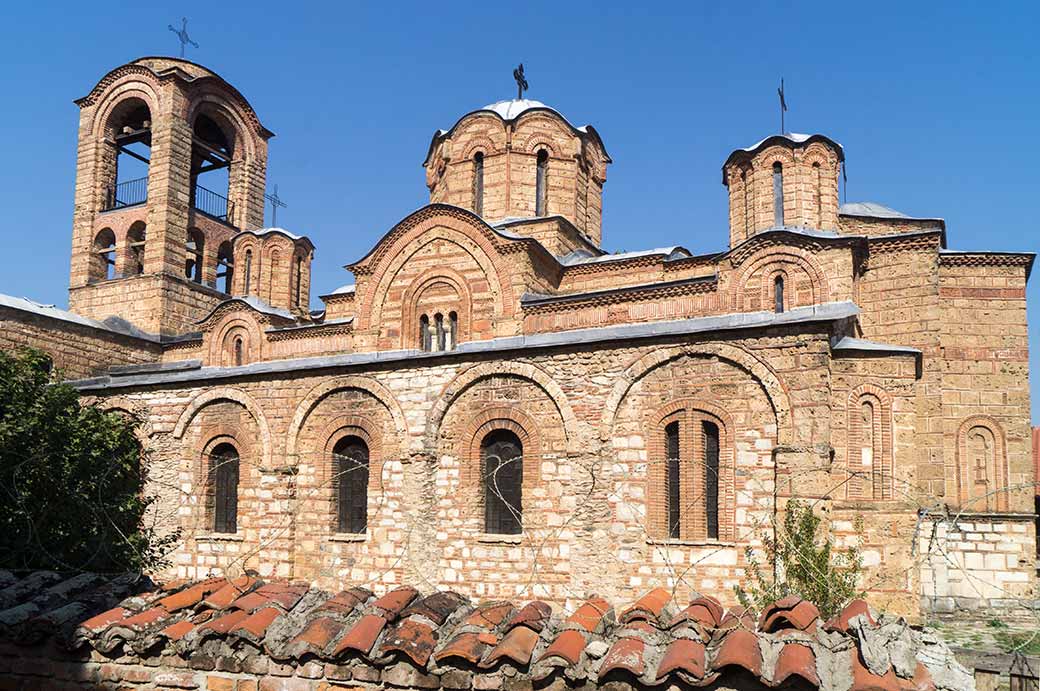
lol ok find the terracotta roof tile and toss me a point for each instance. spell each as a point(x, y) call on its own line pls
point(101, 621)
point(789, 613)
point(682, 655)
point(412, 638)
point(229, 592)
point(395, 601)
point(740, 648)
point(533, 615)
point(362, 636)
point(589, 614)
point(796, 659)
point(627, 654)
point(517, 645)
point(437, 607)
point(281, 594)
point(394, 638)
point(254, 626)
point(567, 646)
point(650, 606)
point(466, 646)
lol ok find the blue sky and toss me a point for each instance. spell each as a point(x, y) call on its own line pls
point(937, 108)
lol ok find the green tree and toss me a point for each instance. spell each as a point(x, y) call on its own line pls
point(800, 562)
point(70, 478)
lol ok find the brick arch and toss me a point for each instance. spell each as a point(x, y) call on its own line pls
point(527, 136)
point(467, 378)
point(770, 261)
point(765, 159)
point(226, 393)
point(483, 253)
point(323, 390)
point(410, 311)
point(500, 418)
point(481, 143)
point(225, 111)
point(132, 407)
point(242, 321)
point(886, 445)
point(140, 85)
point(1001, 468)
point(365, 429)
point(776, 392)
point(540, 140)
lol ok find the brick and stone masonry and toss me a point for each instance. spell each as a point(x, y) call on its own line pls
point(836, 353)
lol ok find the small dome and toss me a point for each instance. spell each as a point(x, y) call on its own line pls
point(514, 108)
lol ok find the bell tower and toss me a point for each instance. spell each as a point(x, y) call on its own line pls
point(171, 165)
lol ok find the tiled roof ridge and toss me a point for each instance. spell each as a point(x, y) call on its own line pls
point(645, 643)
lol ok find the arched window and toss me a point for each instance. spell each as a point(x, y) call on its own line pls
point(350, 456)
point(195, 247)
point(135, 238)
point(438, 320)
point(453, 330)
point(502, 469)
point(425, 337)
point(982, 466)
point(103, 267)
point(225, 267)
point(299, 282)
point(692, 477)
point(778, 294)
point(541, 192)
point(212, 152)
point(248, 271)
point(223, 472)
point(818, 194)
point(747, 203)
point(870, 447)
point(239, 353)
point(126, 168)
point(478, 183)
point(778, 195)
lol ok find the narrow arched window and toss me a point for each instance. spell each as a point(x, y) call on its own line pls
point(239, 352)
point(195, 248)
point(135, 238)
point(224, 468)
point(425, 337)
point(350, 455)
point(248, 271)
point(710, 432)
point(453, 330)
point(818, 194)
point(104, 265)
point(478, 183)
point(438, 320)
point(225, 267)
point(747, 203)
point(671, 434)
point(502, 468)
point(778, 294)
point(778, 195)
point(541, 192)
point(299, 282)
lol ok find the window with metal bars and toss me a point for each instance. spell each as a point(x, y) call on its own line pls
point(692, 446)
point(502, 467)
point(224, 467)
point(478, 183)
point(351, 468)
point(541, 192)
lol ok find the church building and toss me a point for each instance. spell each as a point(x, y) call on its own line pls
point(494, 404)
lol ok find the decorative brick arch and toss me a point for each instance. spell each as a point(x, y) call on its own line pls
point(500, 418)
point(451, 223)
point(327, 388)
point(225, 393)
point(481, 143)
point(883, 447)
point(213, 102)
point(491, 265)
point(474, 374)
point(996, 497)
point(240, 322)
point(768, 262)
point(410, 311)
point(140, 84)
point(776, 392)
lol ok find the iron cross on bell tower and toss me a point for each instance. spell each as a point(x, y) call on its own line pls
point(182, 35)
